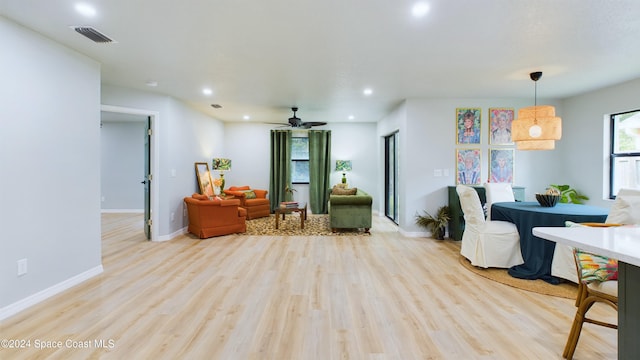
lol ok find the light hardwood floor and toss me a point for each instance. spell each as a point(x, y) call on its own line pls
point(382, 296)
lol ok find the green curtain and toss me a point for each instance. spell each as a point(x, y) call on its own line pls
point(319, 170)
point(280, 174)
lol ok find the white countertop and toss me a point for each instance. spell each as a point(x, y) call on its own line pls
point(622, 243)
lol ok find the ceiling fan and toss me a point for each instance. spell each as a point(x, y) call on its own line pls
point(296, 122)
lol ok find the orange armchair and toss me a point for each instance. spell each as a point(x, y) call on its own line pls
point(216, 217)
point(257, 206)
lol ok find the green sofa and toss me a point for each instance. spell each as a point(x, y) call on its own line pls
point(350, 211)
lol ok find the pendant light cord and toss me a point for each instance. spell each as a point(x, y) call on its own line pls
point(535, 99)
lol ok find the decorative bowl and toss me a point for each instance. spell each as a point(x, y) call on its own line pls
point(546, 200)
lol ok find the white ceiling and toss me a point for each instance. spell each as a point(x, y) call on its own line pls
point(260, 58)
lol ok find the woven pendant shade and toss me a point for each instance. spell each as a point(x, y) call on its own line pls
point(537, 127)
point(536, 123)
point(536, 145)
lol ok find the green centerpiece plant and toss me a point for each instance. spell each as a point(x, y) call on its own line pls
point(569, 194)
point(436, 224)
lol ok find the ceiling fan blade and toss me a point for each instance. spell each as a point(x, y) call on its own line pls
point(309, 124)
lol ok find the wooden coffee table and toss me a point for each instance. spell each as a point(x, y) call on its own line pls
point(302, 209)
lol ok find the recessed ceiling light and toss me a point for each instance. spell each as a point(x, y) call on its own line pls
point(85, 9)
point(367, 91)
point(351, 117)
point(207, 91)
point(152, 83)
point(420, 9)
point(246, 117)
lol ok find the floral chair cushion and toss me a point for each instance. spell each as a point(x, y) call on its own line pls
point(594, 267)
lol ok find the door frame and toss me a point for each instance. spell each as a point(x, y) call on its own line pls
point(155, 159)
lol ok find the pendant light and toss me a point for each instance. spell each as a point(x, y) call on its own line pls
point(537, 127)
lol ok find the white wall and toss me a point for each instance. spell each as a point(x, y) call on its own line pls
point(356, 142)
point(191, 137)
point(247, 145)
point(122, 165)
point(584, 145)
point(50, 161)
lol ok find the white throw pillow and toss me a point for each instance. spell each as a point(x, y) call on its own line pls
point(499, 192)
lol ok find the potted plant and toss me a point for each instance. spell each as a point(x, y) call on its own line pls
point(569, 194)
point(288, 193)
point(436, 224)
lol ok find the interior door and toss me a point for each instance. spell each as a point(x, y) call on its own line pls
point(147, 179)
point(391, 176)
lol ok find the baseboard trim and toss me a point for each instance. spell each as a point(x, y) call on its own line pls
point(122, 211)
point(40, 296)
point(413, 234)
point(172, 235)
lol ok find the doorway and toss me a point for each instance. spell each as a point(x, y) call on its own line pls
point(139, 186)
point(391, 159)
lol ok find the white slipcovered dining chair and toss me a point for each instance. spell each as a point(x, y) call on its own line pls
point(497, 192)
point(625, 210)
point(486, 243)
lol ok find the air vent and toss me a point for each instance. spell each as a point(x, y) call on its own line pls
point(216, 106)
point(93, 34)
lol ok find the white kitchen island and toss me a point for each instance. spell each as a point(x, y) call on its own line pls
point(622, 243)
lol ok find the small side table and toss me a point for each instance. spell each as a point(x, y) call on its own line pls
point(301, 208)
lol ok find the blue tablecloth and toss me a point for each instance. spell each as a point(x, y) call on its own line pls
point(536, 252)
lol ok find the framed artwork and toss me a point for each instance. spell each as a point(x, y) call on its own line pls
point(468, 125)
point(501, 165)
point(468, 166)
point(500, 120)
point(204, 178)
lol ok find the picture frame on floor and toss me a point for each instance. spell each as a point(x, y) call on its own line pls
point(204, 178)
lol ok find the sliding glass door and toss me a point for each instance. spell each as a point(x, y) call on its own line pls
point(391, 160)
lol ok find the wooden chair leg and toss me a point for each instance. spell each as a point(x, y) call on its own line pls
point(572, 341)
point(576, 328)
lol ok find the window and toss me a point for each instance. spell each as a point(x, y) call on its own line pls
point(625, 152)
point(300, 160)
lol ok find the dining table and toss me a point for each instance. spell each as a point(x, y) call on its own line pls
point(537, 252)
point(621, 243)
